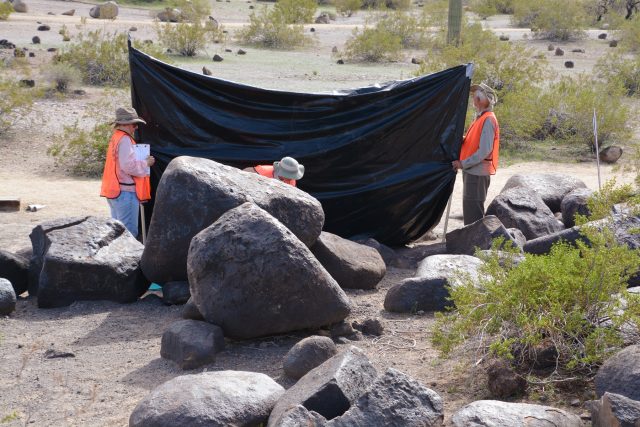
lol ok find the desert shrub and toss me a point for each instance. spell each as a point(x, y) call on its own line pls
point(486, 8)
point(629, 35)
point(269, 29)
point(296, 11)
point(407, 27)
point(82, 151)
point(102, 58)
point(601, 202)
point(373, 45)
point(347, 7)
point(386, 4)
point(551, 19)
point(15, 101)
point(560, 299)
point(192, 10)
point(621, 71)
point(62, 76)
point(184, 38)
point(6, 9)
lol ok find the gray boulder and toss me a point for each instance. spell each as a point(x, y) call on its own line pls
point(212, 399)
point(354, 266)
point(191, 343)
point(170, 15)
point(330, 388)
point(542, 245)
point(190, 311)
point(574, 203)
point(86, 258)
point(176, 293)
point(428, 289)
point(20, 6)
point(301, 416)
point(307, 354)
point(7, 297)
point(15, 269)
point(394, 400)
point(193, 193)
point(253, 277)
point(388, 255)
point(611, 154)
point(550, 187)
point(108, 10)
point(620, 374)
point(614, 410)
point(478, 235)
point(522, 208)
point(493, 413)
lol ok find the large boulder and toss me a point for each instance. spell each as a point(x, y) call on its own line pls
point(428, 289)
point(170, 15)
point(301, 416)
point(191, 343)
point(222, 398)
point(611, 154)
point(20, 6)
point(574, 203)
point(86, 258)
point(493, 413)
point(551, 187)
point(354, 266)
point(176, 293)
point(394, 400)
point(522, 208)
point(251, 276)
point(614, 410)
point(477, 235)
point(15, 269)
point(193, 193)
point(542, 245)
point(108, 10)
point(7, 297)
point(307, 354)
point(329, 389)
point(620, 374)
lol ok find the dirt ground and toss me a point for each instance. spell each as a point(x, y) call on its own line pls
point(116, 347)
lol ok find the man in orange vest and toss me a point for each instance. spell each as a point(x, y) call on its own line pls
point(125, 182)
point(287, 170)
point(479, 153)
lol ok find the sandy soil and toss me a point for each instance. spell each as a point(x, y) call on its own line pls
point(116, 347)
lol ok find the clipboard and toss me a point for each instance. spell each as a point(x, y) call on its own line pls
point(142, 152)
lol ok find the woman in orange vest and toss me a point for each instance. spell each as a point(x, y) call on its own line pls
point(125, 182)
point(479, 154)
point(287, 170)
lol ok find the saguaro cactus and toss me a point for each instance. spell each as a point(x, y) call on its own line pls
point(455, 21)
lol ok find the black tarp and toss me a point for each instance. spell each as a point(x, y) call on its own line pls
point(378, 158)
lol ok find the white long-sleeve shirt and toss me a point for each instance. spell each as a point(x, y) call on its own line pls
point(476, 164)
point(128, 166)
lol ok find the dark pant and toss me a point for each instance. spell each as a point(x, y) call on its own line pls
point(474, 193)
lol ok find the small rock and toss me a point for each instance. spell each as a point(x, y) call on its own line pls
point(228, 50)
point(416, 61)
point(559, 52)
point(206, 71)
point(7, 297)
point(69, 12)
point(55, 354)
point(27, 83)
point(50, 13)
point(569, 64)
point(6, 44)
point(44, 28)
point(613, 43)
point(313, 30)
point(52, 49)
point(35, 40)
point(575, 402)
point(551, 47)
point(191, 343)
point(370, 327)
point(251, 7)
point(217, 58)
point(340, 62)
point(323, 18)
point(602, 36)
point(66, 38)
point(307, 354)
point(504, 38)
point(133, 29)
point(241, 52)
point(334, 49)
point(80, 92)
point(577, 50)
point(341, 329)
point(32, 55)
point(611, 154)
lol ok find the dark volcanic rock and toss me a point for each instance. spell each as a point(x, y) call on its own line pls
point(174, 293)
point(307, 354)
point(191, 343)
point(542, 245)
point(611, 154)
point(190, 311)
point(222, 398)
point(354, 266)
point(86, 258)
point(7, 297)
point(194, 192)
point(574, 203)
point(15, 269)
point(478, 235)
point(253, 277)
point(503, 381)
point(522, 208)
point(614, 410)
point(330, 388)
point(551, 187)
point(370, 327)
point(620, 374)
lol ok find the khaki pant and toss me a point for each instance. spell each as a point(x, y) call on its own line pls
point(474, 194)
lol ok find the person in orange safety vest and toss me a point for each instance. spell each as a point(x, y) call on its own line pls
point(287, 170)
point(479, 154)
point(125, 182)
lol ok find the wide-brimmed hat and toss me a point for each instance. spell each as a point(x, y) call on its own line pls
point(288, 168)
point(127, 116)
point(488, 91)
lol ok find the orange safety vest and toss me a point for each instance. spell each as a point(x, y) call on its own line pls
point(110, 184)
point(267, 170)
point(471, 141)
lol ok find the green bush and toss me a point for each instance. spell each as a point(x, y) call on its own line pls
point(184, 38)
point(629, 35)
point(373, 45)
point(62, 76)
point(193, 10)
point(386, 4)
point(15, 102)
point(6, 9)
point(559, 299)
point(102, 58)
point(296, 11)
point(486, 8)
point(551, 19)
point(82, 152)
point(270, 29)
point(407, 27)
point(621, 71)
point(347, 7)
